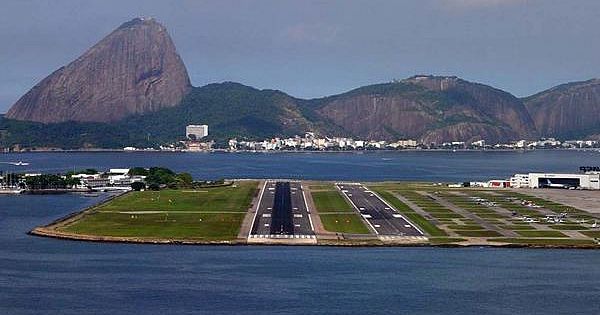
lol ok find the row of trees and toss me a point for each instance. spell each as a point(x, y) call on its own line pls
point(155, 179)
point(50, 181)
point(161, 177)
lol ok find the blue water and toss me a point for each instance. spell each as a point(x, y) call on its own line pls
point(47, 276)
point(438, 166)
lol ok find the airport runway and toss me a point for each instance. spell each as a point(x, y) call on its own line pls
point(282, 212)
point(380, 216)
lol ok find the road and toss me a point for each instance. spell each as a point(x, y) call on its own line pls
point(282, 212)
point(381, 217)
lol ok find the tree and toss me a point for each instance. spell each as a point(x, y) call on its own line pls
point(72, 181)
point(184, 179)
point(137, 186)
point(138, 171)
point(160, 175)
point(153, 186)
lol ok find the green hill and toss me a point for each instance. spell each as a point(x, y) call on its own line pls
point(230, 110)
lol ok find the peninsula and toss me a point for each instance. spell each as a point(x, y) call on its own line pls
point(341, 214)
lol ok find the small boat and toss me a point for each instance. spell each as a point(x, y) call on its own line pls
point(11, 191)
point(20, 163)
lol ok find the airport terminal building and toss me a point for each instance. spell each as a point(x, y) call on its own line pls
point(588, 180)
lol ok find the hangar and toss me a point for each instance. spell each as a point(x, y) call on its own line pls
point(556, 180)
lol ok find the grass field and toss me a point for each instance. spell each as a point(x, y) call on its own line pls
point(321, 186)
point(192, 226)
point(209, 214)
point(478, 233)
point(220, 199)
point(544, 241)
point(458, 213)
point(337, 215)
point(539, 233)
point(330, 201)
point(593, 234)
point(344, 223)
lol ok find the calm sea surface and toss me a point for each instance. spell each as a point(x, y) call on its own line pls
point(442, 166)
point(47, 276)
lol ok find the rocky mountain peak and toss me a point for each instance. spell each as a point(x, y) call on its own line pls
point(134, 70)
point(567, 110)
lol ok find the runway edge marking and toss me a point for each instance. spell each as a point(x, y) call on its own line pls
point(257, 207)
point(395, 210)
point(307, 210)
point(337, 185)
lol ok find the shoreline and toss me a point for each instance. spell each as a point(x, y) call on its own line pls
point(328, 239)
point(298, 151)
point(49, 233)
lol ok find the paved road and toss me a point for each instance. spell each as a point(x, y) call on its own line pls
point(380, 216)
point(282, 211)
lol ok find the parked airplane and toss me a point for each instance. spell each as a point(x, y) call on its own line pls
point(552, 185)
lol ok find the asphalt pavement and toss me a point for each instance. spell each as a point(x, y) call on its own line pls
point(381, 217)
point(282, 211)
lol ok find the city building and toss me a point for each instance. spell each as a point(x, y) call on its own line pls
point(195, 132)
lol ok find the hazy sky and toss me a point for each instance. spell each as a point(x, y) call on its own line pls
point(318, 48)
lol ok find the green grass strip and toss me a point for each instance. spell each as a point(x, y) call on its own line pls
point(540, 233)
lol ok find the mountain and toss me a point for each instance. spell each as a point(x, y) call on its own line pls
point(569, 110)
point(230, 109)
point(133, 70)
point(429, 108)
point(132, 88)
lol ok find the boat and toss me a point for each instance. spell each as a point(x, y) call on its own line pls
point(11, 191)
point(19, 163)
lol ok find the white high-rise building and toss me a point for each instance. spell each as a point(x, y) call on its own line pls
point(198, 131)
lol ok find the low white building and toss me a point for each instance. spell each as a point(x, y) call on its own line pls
point(550, 180)
point(519, 181)
point(478, 143)
point(119, 171)
point(556, 180)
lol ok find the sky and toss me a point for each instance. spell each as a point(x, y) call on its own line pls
point(318, 48)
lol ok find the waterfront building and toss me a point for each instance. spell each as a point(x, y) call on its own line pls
point(195, 132)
